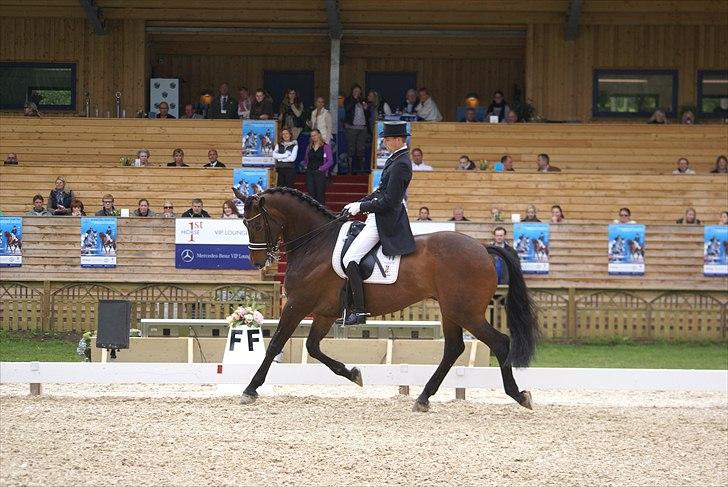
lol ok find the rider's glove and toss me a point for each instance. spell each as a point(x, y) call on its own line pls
point(353, 208)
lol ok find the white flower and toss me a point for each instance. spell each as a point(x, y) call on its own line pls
point(248, 318)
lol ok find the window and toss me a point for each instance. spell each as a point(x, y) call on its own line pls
point(51, 86)
point(634, 92)
point(713, 93)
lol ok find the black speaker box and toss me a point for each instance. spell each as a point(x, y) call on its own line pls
point(114, 324)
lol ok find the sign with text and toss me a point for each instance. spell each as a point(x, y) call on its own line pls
point(98, 242)
point(259, 139)
point(11, 241)
point(531, 241)
point(204, 243)
point(715, 250)
point(244, 345)
point(626, 249)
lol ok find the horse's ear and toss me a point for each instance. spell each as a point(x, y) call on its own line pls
point(261, 200)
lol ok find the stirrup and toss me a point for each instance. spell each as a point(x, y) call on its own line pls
point(353, 318)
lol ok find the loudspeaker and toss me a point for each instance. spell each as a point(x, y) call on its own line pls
point(114, 324)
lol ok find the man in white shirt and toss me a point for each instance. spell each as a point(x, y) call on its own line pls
point(427, 108)
point(417, 163)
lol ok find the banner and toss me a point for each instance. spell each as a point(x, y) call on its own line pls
point(98, 242)
point(531, 241)
point(626, 249)
point(376, 177)
point(249, 182)
point(382, 154)
point(715, 254)
point(204, 243)
point(259, 139)
point(11, 241)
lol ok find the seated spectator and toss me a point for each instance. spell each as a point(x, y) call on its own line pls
point(721, 165)
point(470, 116)
point(77, 208)
point(190, 113)
point(498, 107)
point(507, 162)
point(30, 109)
point(688, 118)
point(142, 159)
point(261, 108)
point(229, 210)
point(178, 159)
point(410, 102)
point(164, 110)
point(690, 218)
point(12, 159)
point(543, 163)
point(244, 102)
point(224, 105)
point(212, 156)
point(59, 199)
point(458, 215)
point(38, 208)
point(465, 164)
point(625, 216)
point(143, 209)
point(495, 214)
point(557, 215)
point(107, 206)
point(427, 108)
point(683, 167)
point(658, 117)
point(531, 214)
point(512, 117)
point(499, 240)
point(196, 211)
point(723, 220)
point(418, 164)
point(424, 215)
point(168, 208)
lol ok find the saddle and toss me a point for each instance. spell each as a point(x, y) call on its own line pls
point(375, 267)
point(366, 266)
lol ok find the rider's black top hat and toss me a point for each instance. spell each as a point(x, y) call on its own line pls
point(394, 129)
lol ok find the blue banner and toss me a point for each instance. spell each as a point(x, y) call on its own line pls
point(210, 256)
point(98, 242)
point(376, 178)
point(715, 250)
point(626, 249)
point(204, 243)
point(531, 241)
point(249, 182)
point(11, 241)
point(259, 139)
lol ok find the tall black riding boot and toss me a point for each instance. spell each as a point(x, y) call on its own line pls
point(356, 315)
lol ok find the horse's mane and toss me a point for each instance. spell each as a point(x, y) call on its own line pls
point(302, 197)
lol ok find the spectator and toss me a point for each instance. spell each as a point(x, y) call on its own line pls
point(625, 216)
point(178, 159)
point(507, 162)
point(723, 220)
point(658, 117)
point(531, 214)
point(224, 105)
point(212, 156)
point(410, 102)
point(424, 215)
point(317, 161)
point(285, 153)
point(458, 215)
point(470, 116)
point(688, 118)
point(168, 208)
point(196, 211)
point(321, 120)
point(378, 108)
point(38, 209)
point(143, 209)
point(77, 208)
point(683, 167)
point(59, 199)
point(721, 165)
point(417, 163)
point(465, 164)
point(291, 113)
point(244, 103)
point(427, 108)
point(557, 214)
point(356, 128)
point(12, 159)
point(107, 206)
point(499, 240)
point(512, 117)
point(261, 108)
point(229, 210)
point(190, 113)
point(498, 107)
point(164, 110)
point(142, 159)
point(689, 218)
point(30, 109)
point(543, 162)
point(495, 214)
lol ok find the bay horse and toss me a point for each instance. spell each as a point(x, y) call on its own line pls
point(107, 243)
point(450, 267)
point(13, 242)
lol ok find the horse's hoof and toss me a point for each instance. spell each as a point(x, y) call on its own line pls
point(421, 407)
point(356, 377)
point(525, 400)
point(246, 398)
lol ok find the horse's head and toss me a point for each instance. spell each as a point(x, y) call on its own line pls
point(263, 230)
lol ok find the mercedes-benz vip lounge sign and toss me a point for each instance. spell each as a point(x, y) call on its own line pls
point(204, 243)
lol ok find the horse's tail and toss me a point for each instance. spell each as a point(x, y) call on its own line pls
point(520, 311)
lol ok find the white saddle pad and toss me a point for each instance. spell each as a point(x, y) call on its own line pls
point(389, 264)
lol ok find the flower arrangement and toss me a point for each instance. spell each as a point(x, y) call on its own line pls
point(245, 316)
point(126, 161)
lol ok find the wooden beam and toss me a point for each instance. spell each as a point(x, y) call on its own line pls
point(333, 18)
point(572, 20)
point(94, 15)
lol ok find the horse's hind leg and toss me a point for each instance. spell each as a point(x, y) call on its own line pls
point(454, 347)
point(320, 327)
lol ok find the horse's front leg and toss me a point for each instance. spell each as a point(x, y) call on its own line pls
point(319, 329)
point(290, 318)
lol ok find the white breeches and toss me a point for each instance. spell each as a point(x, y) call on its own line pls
point(364, 242)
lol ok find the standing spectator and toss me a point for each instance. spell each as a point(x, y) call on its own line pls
point(531, 214)
point(690, 218)
point(512, 117)
point(142, 159)
point(683, 167)
point(168, 208)
point(356, 128)
point(499, 240)
point(378, 108)
point(427, 108)
point(38, 209)
point(59, 199)
point(495, 214)
point(410, 102)
point(470, 116)
point(723, 220)
point(721, 165)
point(465, 164)
point(498, 107)
point(229, 210)
point(625, 216)
point(507, 162)
point(196, 211)
point(321, 120)
point(458, 215)
point(417, 163)
point(190, 113)
point(143, 209)
point(224, 105)
point(543, 163)
point(261, 108)
point(12, 159)
point(285, 153)
point(107, 206)
point(77, 208)
point(658, 117)
point(557, 214)
point(317, 161)
point(212, 157)
point(424, 215)
point(164, 110)
point(244, 103)
point(290, 114)
point(178, 159)
point(688, 118)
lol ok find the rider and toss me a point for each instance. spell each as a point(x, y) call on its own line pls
point(387, 220)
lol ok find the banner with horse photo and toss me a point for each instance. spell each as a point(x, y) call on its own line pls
point(715, 253)
point(250, 182)
point(626, 249)
point(11, 241)
point(531, 241)
point(259, 139)
point(381, 152)
point(98, 242)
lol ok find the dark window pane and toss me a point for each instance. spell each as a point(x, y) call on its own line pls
point(713, 93)
point(634, 92)
point(50, 86)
